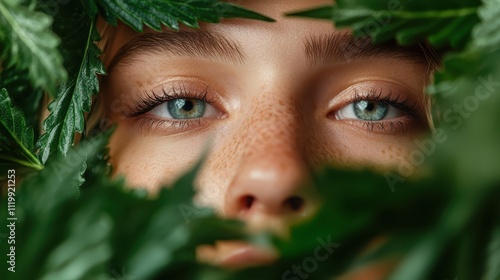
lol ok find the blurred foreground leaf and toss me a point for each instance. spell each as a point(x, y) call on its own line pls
point(442, 225)
point(63, 233)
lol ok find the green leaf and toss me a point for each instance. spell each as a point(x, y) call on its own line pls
point(75, 95)
point(45, 203)
point(108, 228)
point(324, 12)
point(17, 87)
point(414, 20)
point(357, 208)
point(16, 139)
point(137, 13)
point(83, 255)
point(468, 92)
point(493, 264)
point(443, 227)
point(174, 229)
point(424, 256)
point(486, 35)
point(27, 42)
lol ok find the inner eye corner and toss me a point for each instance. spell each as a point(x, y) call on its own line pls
point(332, 114)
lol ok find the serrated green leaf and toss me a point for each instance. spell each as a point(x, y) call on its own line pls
point(17, 87)
point(108, 229)
point(43, 202)
point(383, 20)
point(28, 44)
point(16, 139)
point(13, 120)
point(136, 13)
point(74, 96)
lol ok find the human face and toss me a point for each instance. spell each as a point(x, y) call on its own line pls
point(267, 101)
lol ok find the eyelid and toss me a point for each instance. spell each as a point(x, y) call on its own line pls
point(152, 98)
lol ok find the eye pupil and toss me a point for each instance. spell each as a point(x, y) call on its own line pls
point(188, 105)
point(370, 106)
point(370, 110)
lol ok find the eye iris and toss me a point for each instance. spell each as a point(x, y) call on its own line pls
point(183, 108)
point(370, 110)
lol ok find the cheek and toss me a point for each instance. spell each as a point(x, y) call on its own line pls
point(220, 167)
point(152, 161)
point(346, 146)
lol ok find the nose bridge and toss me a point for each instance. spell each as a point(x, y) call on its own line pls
point(271, 139)
point(272, 130)
point(272, 169)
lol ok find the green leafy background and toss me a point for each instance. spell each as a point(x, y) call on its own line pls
point(74, 222)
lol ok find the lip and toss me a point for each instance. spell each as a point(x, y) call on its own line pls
point(245, 256)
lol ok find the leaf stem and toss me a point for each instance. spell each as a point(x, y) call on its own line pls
point(411, 14)
point(35, 165)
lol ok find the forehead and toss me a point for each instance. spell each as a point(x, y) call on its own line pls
point(260, 42)
point(234, 27)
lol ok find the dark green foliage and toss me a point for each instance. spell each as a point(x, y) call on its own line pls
point(65, 234)
point(16, 139)
point(443, 224)
point(443, 23)
point(460, 244)
point(73, 99)
point(15, 83)
point(28, 44)
point(170, 13)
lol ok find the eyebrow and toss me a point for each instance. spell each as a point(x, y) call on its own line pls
point(201, 44)
point(319, 50)
point(343, 46)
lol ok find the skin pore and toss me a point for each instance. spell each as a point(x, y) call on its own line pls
point(268, 102)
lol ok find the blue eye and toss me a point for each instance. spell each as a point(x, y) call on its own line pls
point(370, 111)
point(184, 108)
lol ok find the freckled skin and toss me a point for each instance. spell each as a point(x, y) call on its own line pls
point(275, 129)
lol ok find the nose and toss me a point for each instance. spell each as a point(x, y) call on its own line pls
point(270, 194)
point(270, 190)
point(264, 188)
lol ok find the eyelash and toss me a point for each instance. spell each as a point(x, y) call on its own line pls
point(151, 99)
point(397, 101)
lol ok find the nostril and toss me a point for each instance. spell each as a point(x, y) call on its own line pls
point(295, 203)
point(247, 201)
